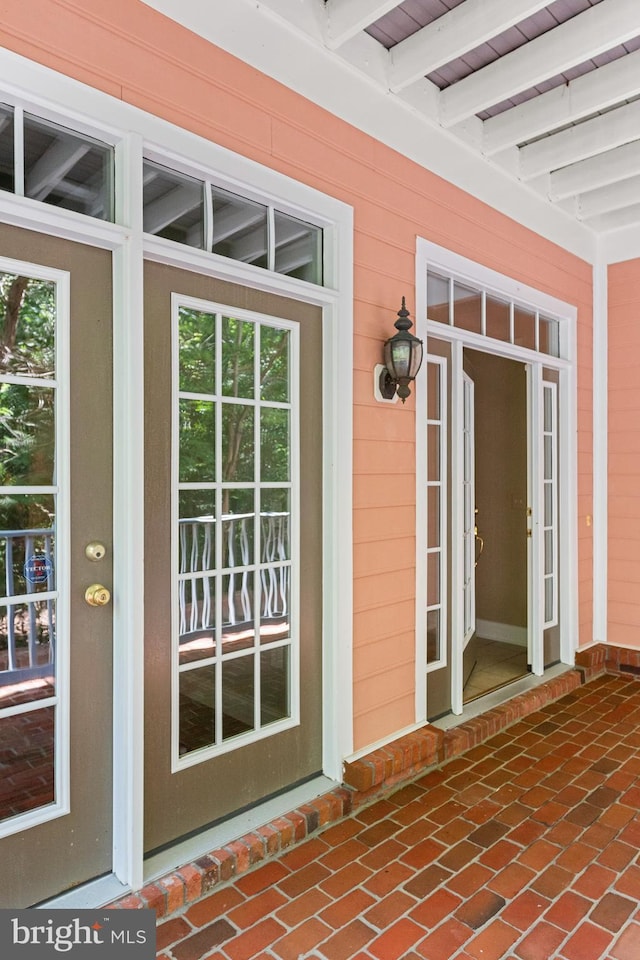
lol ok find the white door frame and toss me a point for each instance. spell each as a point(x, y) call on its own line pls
point(66, 101)
point(431, 256)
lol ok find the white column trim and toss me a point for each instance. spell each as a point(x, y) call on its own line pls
point(600, 448)
point(128, 524)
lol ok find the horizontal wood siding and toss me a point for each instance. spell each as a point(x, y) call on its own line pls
point(624, 455)
point(132, 52)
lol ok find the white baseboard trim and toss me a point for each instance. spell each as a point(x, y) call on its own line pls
point(491, 630)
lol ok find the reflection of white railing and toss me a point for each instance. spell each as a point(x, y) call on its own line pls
point(197, 557)
point(26, 662)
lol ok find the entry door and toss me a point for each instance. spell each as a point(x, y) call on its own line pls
point(55, 499)
point(233, 586)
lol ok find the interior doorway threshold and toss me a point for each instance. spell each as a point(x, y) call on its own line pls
point(496, 698)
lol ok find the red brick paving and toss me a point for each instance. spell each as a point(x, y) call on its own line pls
point(527, 847)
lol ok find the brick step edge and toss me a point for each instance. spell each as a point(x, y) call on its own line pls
point(399, 761)
point(602, 658)
point(406, 757)
point(195, 880)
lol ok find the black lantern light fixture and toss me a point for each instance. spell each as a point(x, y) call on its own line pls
point(402, 359)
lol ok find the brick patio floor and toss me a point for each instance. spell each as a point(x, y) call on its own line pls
point(527, 847)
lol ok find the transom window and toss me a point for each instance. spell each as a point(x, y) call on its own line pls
point(235, 605)
point(48, 162)
point(476, 310)
point(55, 164)
point(200, 214)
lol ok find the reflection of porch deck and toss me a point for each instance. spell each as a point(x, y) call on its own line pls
point(523, 847)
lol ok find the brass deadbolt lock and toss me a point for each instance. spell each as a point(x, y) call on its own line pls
point(95, 550)
point(97, 596)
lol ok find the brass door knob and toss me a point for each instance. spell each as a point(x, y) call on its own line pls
point(97, 596)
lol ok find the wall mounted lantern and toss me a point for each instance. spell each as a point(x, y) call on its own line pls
point(402, 359)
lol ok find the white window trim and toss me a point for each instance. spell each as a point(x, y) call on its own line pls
point(62, 491)
point(135, 132)
point(434, 257)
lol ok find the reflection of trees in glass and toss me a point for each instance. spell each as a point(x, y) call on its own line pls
point(27, 348)
point(237, 382)
point(197, 351)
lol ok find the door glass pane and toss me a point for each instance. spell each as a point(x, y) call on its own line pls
point(27, 652)
point(498, 319)
point(433, 517)
point(238, 528)
point(433, 391)
point(238, 351)
point(548, 505)
point(274, 364)
point(197, 618)
point(197, 441)
point(274, 525)
point(274, 445)
point(274, 619)
point(237, 442)
point(239, 228)
point(433, 452)
point(173, 205)
point(467, 308)
point(238, 696)
point(433, 578)
point(27, 428)
point(238, 611)
point(197, 355)
point(29, 312)
point(27, 544)
point(437, 297)
point(548, 457)
point(548, 409)
point(27, 748)
point(548, 552)
point(197, 708)
point(298, 248)
point(196, 531)
point(67, 170)
point(274, 684)
point(548, 599)
point(434, 638)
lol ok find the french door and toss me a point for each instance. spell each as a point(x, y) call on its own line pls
point(55, 545)
point(233, 582)
point(511, 514)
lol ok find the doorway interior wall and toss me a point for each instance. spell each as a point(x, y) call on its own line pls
point(471, 310)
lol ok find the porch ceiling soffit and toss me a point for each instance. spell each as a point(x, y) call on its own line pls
point(533, 107)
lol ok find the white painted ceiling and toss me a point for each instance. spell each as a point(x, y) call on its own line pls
point(544, 95)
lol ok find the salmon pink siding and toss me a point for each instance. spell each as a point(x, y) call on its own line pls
point(132, 52)
point(624, 454)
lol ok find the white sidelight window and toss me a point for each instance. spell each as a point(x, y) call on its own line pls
point(550, 496)
point(436, 513)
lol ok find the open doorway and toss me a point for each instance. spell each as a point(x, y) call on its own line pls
point(496, 520)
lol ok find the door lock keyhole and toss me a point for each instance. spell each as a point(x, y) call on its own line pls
point(95, 550)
